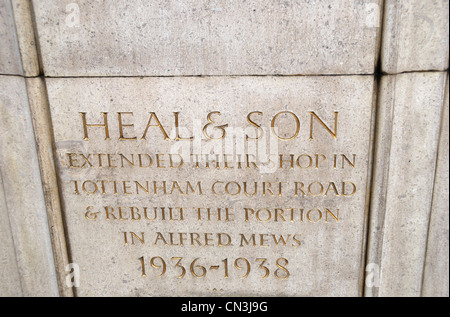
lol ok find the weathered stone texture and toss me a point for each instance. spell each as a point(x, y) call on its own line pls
point(191, 37)
point(23, 191)
point(409, 117)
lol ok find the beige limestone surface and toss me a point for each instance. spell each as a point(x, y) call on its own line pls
point(415, 35)
point(325, 256)
point(10, 63)
point(409, 119)
point(26, 38)
point(436, 272)
point(192, 37)
point(88, 201)
point(9, 272)
point(40, 113)
point(23, 193)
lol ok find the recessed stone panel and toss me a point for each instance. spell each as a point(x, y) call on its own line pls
point(149, 213)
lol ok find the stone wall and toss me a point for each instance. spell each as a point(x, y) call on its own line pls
point(224, 148)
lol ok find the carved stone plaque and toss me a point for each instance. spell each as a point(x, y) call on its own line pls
point(214, 186)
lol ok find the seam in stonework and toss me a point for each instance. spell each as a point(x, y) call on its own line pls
point(369, 184)
point(387, 171)
point(393, 57)
point(36, 41)
point(378, 76)
point(66, 240)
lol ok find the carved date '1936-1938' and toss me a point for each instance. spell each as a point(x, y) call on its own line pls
point(199, 271)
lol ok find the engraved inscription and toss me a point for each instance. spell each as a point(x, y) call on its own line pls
point(196, 186)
